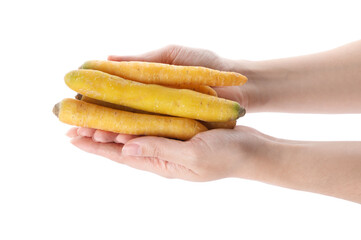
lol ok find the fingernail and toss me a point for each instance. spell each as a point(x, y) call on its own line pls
point(132, 150)
point(71, 133)
point(113, 57)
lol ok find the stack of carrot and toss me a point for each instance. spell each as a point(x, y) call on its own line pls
point(144, 98)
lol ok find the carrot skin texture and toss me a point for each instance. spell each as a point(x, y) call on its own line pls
point(152, 97)
point(80, 113)
point(201, 88)
point(210, 125)
point(165, 74)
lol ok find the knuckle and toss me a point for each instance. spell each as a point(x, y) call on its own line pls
point(171, 53)
point(172, 47)
point(97, 136)
point(154, 152)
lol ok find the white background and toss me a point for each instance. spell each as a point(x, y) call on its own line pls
point(51, 190)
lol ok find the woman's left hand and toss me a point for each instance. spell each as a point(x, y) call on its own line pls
point(209, 155)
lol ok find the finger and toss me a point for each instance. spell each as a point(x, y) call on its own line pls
point(148, 57)
point(86, 132)
point(141, 58)
point(160, 167)
point(160, 148)
point(124, 138)
point(72, 132)
point(124, 58)
point(104, 136)
point(162, 55)
point(234, 93)
point(112, 151)
point(153, 56)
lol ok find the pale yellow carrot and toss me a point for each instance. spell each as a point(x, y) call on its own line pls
point(201, 88)
point(210, 125)
point(165, 74)
point(153, 98)
point(83, 114)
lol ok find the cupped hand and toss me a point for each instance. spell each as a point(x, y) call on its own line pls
point(210, 155)
point(180, 55)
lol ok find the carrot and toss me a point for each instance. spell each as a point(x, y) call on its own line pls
point(165, 74)
point(107, 104)
point(201, 88)
point(210, 125)
point(153, 98)
point(214, 125)
point(80, 113)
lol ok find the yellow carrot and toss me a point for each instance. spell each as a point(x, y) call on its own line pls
point(165, 74)
point(80, 113)
point(107, 104)
point(210, 125)
point(201, 88)
point(153, 98)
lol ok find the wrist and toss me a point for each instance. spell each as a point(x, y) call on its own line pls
point(282, 164)
point(261, 157)
point(270, 162)
point(256, 91)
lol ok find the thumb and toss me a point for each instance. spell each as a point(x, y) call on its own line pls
point(159, 148)
point(162, 55)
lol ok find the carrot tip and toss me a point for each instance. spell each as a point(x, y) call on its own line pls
point(242, 112)
point(78, 96)
point(56, 109)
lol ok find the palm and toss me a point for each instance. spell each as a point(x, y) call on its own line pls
point(199, 159)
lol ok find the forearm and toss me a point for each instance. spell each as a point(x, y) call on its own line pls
point(329, 168)
point(327, 82)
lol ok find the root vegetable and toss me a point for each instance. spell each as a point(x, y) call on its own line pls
point(165, 74)
point(83, 114)
point(153, 98)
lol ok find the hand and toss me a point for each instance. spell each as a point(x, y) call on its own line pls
point(321, 167)
point(205, 161)
point(330, 168)
point(179, 55)
point(210, 155)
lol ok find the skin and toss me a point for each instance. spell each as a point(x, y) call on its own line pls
point(327, 82)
